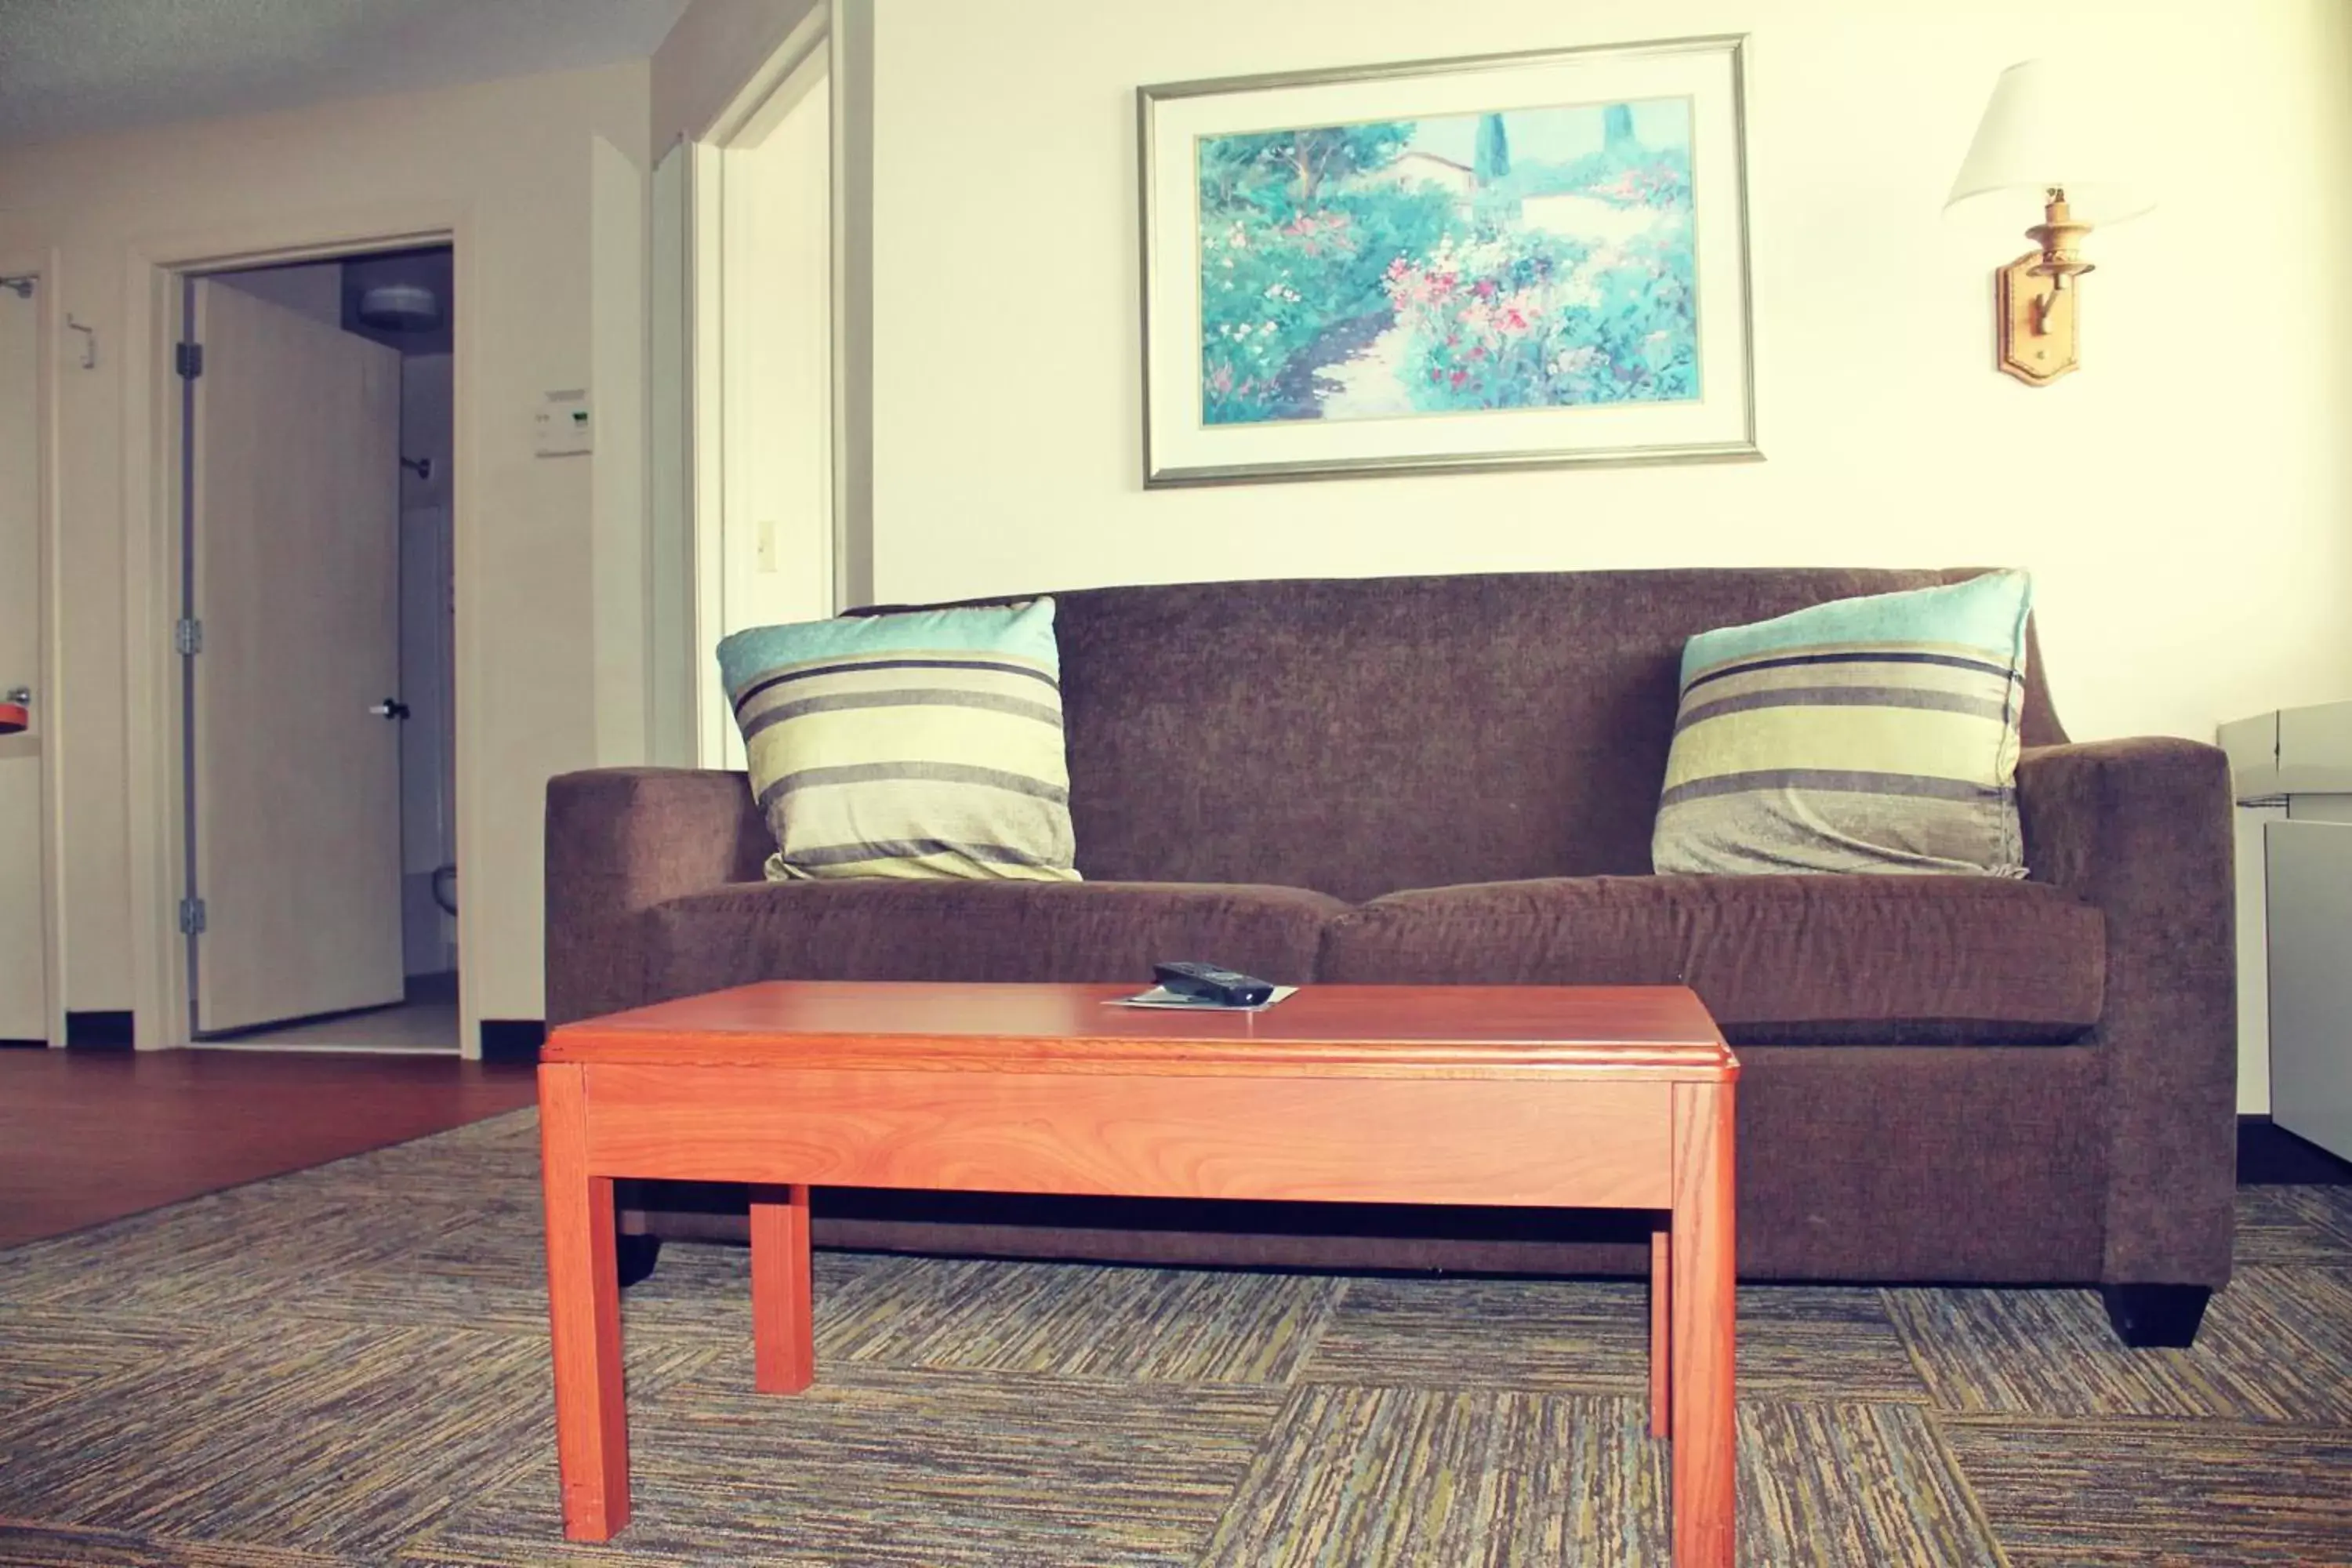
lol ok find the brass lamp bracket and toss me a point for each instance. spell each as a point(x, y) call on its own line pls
point(2037, 344)
point(2035, 306)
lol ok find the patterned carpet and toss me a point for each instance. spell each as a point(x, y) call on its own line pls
point(349, 1366)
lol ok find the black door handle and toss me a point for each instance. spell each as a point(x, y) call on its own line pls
point(390, 707)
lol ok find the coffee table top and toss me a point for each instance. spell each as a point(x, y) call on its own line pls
point(1451, 1031)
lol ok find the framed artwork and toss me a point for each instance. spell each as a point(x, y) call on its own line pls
point(1493, 262)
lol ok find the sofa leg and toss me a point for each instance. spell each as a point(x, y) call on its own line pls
point(637, 1254)
point(2153, 1317)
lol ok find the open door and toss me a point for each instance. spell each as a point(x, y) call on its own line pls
point(23, 944)
point(293, 697)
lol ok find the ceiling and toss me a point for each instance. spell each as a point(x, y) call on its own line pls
point(68, 68)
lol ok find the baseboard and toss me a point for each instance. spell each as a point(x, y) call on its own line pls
point(24, 1044)
point(512, 1039)
point(2270, 1156)
point(99, 1031)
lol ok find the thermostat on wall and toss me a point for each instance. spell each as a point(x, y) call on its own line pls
point(560, 426)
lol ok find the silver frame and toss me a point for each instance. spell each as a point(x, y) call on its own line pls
point(1148, 203)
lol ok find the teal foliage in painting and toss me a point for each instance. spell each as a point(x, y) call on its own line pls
point(1292, 251)
point(1374, 255)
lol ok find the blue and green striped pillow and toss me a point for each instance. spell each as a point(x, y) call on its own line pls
point(1870, 734)
point(921, 744)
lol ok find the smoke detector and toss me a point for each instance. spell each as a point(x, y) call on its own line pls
point(400, 308)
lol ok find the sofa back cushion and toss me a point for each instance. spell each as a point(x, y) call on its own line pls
point(1359, 736)
point(913, 747)
point(1877, 734)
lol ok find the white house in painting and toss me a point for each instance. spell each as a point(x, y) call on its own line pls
point(1587, 218)
point(1415, 167)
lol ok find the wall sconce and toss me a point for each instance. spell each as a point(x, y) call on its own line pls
point(2046, 136)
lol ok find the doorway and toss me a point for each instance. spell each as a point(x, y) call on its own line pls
point(741, 359)
point(316, 641)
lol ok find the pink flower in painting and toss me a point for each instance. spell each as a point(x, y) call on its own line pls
point(1410, 287)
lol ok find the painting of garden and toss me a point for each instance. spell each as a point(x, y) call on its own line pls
point(1531, 258)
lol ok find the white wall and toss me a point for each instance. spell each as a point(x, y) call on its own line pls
point(2184, 501)
point(512, 161)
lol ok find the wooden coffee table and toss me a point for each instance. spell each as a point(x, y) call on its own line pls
point(1529, 1096)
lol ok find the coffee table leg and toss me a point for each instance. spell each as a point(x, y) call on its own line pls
point(583, 1303)
point(783, 1335)
point(1704, 1308)
point(1662, 1342)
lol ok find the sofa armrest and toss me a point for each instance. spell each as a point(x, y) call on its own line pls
point(2142, 828)
point(619, 841)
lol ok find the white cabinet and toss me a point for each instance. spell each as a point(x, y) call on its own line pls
point(2293, 773)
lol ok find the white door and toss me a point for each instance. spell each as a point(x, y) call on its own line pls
point(24, 964)
point(294, 774)
point(774, 558)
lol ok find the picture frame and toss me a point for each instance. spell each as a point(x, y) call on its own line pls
point(1490, 262)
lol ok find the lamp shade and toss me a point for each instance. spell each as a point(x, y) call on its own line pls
point(2046, 126)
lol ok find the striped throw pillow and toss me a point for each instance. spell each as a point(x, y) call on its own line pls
point(923, 744)
point(1870, 734)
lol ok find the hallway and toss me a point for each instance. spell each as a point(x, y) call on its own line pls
point(425, 1024)
point(91, 1136)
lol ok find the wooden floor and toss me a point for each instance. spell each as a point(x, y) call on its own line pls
point(89, 1136)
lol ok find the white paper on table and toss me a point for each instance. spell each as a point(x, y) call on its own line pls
point(1160, 997)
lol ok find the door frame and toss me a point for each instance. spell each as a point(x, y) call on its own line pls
point(49, 326)
point(154, 271)
point(773, 90)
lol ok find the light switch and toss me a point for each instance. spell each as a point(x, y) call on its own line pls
point(561, 425)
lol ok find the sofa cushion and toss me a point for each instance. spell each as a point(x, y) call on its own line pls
point(1365, 736)
point(1808, 960)
point(921, 745)
point(977, 930)
point(1877, 733)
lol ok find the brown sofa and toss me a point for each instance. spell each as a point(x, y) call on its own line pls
point(1453, 779)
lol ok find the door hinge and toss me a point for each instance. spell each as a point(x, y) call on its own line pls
point(191, 916)
point(188, 636)
point(188, 359)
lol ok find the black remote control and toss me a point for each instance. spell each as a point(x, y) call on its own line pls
point(1226, 987)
